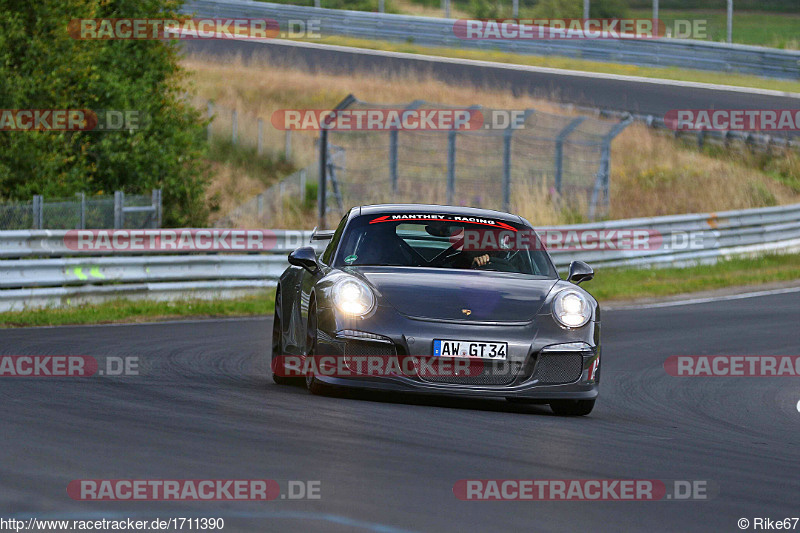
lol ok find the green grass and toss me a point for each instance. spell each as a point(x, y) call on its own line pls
point(608, 285)
point(262, 303)
point(628, 284)
point(268, 167)
point(669, 73)
point(777, 30)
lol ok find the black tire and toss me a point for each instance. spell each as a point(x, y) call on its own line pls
point(279, 374)
point(572, 407)
point(314, 385)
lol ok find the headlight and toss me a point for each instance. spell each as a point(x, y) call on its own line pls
point(352, 297)
point(571, 308)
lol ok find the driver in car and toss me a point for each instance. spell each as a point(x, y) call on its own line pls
point(462, 258)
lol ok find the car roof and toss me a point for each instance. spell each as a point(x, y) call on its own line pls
point(383, 209)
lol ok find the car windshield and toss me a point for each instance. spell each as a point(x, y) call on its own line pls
point(443, 241)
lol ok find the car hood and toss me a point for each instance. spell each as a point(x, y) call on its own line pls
point(444, 294)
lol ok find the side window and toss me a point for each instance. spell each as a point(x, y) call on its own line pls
point(327, 255)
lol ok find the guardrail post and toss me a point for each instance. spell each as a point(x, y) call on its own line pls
point(38, 217)
point(559, 151)
point(303, 185)
point(260, 145)
point(381, 7)
point(507, 168)
point(260, 203)
point(156, 202)
point(451, 166)
point(82, 210)
point(119, 209)
point(234, 126)
point(210, 108)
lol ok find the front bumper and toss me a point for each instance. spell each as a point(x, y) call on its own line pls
point(545, 361)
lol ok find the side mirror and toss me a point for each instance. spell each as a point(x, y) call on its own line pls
point(306, 258)
point(579, 271)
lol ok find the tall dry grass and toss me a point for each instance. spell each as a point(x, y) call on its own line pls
point(650, 174)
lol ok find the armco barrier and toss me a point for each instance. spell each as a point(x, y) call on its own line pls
point(38, 269)
point(703, 55)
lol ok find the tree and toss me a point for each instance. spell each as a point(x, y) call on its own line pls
point(42, 67)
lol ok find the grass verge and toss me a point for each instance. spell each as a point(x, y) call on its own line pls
point(628, 284)
point(118, 311)
point(609, 285)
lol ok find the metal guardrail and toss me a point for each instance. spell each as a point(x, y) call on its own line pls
point(702, 55)
point(41, 270)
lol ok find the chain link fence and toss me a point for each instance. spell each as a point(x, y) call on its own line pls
point(81, 212)
point(541, 159)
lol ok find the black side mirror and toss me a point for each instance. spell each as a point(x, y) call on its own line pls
point(579, 271)
point(306, 258)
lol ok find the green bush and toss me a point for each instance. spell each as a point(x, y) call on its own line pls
point(42, 67)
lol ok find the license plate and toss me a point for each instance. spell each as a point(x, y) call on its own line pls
point(495, 351)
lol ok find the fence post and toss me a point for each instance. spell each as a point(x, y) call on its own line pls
point(323, 170)
point(260, 147)
point(287, 145)
point(604, 172)
point(260, 204)
point(302, 185)
point(381, 7)
point(451, 166)
point(507, 168)
point(393, 159)
point(155, 200)
point(119, 213)
point(559, 156)
point(210, 121)
point(234, 126)
point(82, 207)
point(38, 218)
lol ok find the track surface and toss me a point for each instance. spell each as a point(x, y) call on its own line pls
point(611, 94)
point(204, 408)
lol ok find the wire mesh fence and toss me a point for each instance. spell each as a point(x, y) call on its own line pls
point(516, 166)
point(81, 212)
point(539, 160)
point(290, 203)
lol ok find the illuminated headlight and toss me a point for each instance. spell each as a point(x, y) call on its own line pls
point(352, 297)
point(571, 308)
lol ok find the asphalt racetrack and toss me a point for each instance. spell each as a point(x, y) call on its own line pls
point(616, 93)
point(202, 407)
